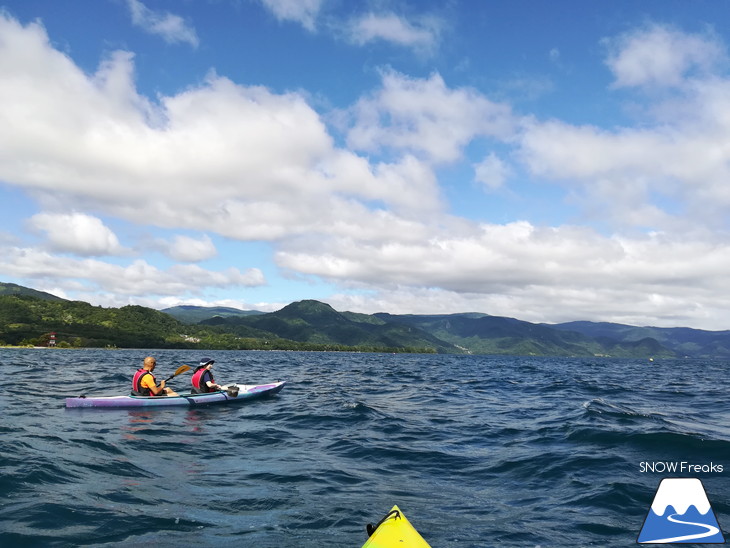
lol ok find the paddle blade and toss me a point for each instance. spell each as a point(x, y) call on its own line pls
point(180, 369)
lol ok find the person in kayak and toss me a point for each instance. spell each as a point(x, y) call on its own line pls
point(203, 380)
point(145, 384)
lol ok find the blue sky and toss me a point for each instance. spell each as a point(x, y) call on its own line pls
point(549, 161)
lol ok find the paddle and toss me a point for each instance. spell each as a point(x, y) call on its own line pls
point(179, 370)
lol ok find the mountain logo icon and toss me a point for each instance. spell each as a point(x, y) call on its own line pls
point(681, 513)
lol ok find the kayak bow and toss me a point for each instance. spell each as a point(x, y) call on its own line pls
point(394, 530)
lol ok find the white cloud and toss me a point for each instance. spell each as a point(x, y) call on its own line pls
point(139, 279)
point(486, 258)
point(535, 304)
point(191, 250)
point(172, 28)
point(422, 35)
point(76, 233)
point(492, 172)
point(670, 171)
point(300, 11)
point(427, 117)
point(96, 140)
point(263, 166)
point(536, 274)
point(167, 302)
point(661, 56)
point(663, 177)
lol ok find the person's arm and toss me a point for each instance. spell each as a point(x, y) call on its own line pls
point(210, 384)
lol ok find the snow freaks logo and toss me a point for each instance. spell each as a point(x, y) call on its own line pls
point(680, 513)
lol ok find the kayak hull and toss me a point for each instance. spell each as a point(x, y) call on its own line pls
point(395, 531)
point(245, 392)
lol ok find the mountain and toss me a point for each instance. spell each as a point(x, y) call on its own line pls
point(316, 322)
point(484, 334)
point(14, 289)
point(196, 314)
point(28, 316)
point(28, 319)
point(683, 341)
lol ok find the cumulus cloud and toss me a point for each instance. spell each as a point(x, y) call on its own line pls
point(257, 164)
point(261, 165)
point(492, 172)
point(77, 233)
point(669, 171)
point(623, 171)
point(661, 56)
point(486, 258)
point(422, 35)
point(136, 279)
point(172, 28)
point(427, 117)
point(303, 12)
point(538, 274)
point(191, 250)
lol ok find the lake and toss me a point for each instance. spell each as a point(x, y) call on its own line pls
point(477, 451)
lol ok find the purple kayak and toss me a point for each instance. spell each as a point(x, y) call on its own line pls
point(231, 394)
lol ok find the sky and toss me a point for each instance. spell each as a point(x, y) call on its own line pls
point(546, 161)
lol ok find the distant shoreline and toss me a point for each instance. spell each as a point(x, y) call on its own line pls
point(33, 347)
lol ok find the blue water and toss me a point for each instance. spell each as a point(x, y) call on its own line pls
point(477, 451)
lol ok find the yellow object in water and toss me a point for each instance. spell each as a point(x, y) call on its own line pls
point(395, 531)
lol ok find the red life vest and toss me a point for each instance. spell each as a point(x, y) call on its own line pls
point(200, 380)
point(137, 383)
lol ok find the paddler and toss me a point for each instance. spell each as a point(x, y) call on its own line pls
point(145, 384)
point(202, 378)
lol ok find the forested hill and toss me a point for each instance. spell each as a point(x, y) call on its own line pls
point(28, 317)
point(196, 314)
point(19, 290)
point(478, 333)
point(30, 321)
point(27, 320)
point(314, 321)
point(318, 323)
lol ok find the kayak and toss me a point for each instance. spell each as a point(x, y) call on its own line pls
point(394, 530)
point(231, 394)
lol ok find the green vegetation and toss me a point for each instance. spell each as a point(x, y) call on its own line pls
point(26, 320)
point(28, 317)
point(29, 321)
point(313, 322)
point(683, 341)
point(483, 334)
point(19, 290)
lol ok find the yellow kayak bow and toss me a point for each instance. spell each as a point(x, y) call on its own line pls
point(394, 530)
